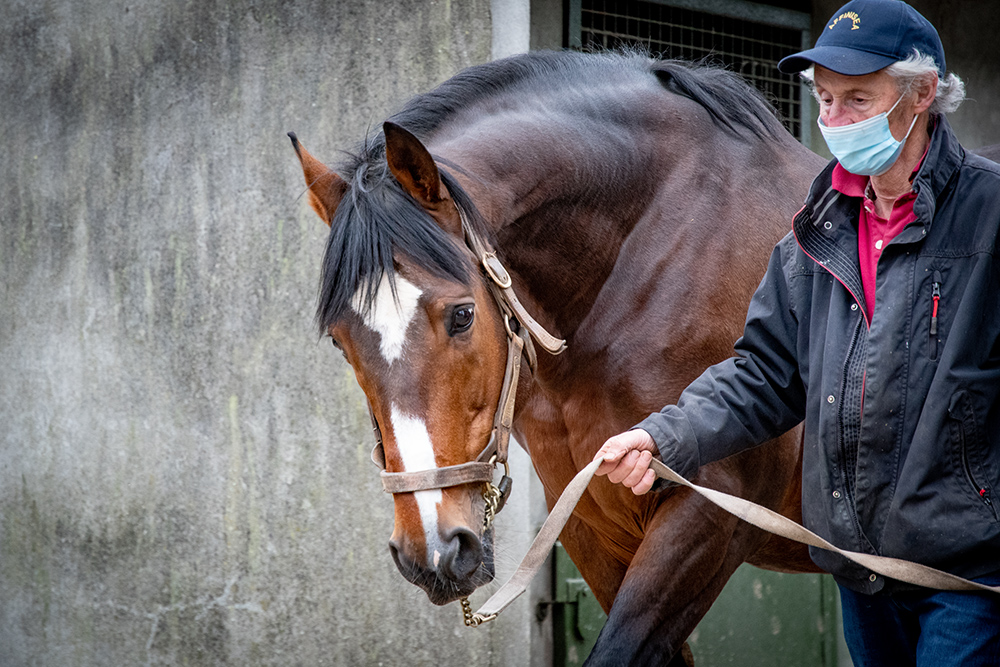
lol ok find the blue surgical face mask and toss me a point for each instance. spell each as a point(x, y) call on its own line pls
point(866, 148)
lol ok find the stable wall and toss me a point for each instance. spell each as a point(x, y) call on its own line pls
point(184, 471)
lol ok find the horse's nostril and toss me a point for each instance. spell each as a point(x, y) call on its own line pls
point(463, 554)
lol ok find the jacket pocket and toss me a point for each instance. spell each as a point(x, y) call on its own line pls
point(932, 343)
point(977, 477)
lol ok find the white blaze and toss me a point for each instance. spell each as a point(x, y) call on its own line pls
point(388, 318)
point(415, 447)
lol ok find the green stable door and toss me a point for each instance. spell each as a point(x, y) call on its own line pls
point(762, 619)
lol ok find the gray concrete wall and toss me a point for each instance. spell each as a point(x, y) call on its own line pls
point(511, 27)
point(184, 473)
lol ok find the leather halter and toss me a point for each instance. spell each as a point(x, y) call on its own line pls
point(517, 321)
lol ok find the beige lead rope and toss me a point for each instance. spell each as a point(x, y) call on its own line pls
point(894, 568)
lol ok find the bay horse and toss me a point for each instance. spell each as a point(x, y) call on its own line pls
point(633, 204)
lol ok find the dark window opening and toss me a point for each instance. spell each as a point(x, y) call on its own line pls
point(748, 47)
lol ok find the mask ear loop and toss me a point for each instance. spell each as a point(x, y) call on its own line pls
point(913, 122)
point(906, 136)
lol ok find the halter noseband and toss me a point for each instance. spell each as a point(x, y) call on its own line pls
point(516, 321)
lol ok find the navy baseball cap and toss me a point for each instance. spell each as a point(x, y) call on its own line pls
point(866, 35)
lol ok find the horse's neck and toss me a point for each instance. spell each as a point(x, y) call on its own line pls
point(559, 236)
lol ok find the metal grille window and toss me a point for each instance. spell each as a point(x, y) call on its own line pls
point(746, 37)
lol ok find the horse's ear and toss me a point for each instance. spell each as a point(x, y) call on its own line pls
point(413, 166)
point(326, 189)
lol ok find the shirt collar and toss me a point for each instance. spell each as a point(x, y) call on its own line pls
point(846, 183)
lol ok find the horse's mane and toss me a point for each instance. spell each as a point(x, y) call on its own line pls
point(377, 218)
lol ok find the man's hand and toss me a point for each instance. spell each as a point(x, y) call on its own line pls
point(626, 460)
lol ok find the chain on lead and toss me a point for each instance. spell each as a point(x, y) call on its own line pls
point(491, 498)
point(494, 496)
point(467, 615)
point(473, 620)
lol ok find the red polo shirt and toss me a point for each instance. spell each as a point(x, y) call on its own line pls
point(874, 232)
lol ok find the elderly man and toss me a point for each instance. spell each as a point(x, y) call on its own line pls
point(877, 325)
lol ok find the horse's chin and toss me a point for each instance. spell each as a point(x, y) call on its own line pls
point(441, 592)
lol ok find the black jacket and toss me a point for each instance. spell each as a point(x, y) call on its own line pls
point(902, 417)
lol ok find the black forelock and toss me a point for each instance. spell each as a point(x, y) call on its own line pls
point(369, 227)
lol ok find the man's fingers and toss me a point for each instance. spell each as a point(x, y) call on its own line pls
point(611, 452)
point(606, 467)
point(617, 446)
point(625, 459)
point(611, 460)
point(646, 483)
point(633, 472)
point(614, 447)
point(624, 468)
point(638, 471)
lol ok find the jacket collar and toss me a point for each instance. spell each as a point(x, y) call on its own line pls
point(944, 157)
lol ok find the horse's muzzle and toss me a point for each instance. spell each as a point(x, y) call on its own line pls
point(465, 564)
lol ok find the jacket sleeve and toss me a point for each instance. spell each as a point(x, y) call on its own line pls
point(745, 400)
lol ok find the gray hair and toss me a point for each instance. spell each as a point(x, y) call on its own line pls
point(950, 90)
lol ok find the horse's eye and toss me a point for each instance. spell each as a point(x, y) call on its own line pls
point(461, 319)
point(336, 343)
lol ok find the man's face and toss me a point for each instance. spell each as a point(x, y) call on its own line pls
point(844, 100)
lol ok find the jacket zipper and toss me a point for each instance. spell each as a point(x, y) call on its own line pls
point(935, 303)
point(851, 493)
point(982, 491)
point(852, 488)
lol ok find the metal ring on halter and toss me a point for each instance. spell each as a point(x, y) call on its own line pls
point(507, 317)
point(506, 468)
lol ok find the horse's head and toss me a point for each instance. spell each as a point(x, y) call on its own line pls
point(404, 300)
